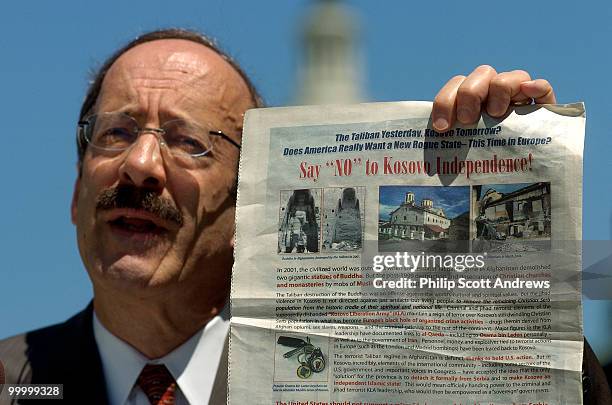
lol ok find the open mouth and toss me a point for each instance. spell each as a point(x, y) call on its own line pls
point(131, 221)
point(136, 225)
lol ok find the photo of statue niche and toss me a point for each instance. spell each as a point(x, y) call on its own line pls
point(299, 221)
point(343, 218)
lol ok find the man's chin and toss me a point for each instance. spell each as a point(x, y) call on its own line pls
point(132, 272)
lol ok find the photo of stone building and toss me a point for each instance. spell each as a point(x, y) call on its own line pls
point(299, 221)
point(511, 213)
point(343, 218)
point(417, 221)
point(437, 215)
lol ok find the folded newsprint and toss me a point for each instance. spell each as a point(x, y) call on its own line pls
point(378, 261)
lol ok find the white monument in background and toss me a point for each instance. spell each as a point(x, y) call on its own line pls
point(331, 67)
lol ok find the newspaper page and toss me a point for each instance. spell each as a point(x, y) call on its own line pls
point(378, 261)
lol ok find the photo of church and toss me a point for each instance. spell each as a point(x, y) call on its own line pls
point(437, 216)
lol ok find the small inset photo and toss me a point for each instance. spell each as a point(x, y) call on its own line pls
point(299, 224)
point(300, 357)
point(511, 217)
point(423, 218)
point(343, 218)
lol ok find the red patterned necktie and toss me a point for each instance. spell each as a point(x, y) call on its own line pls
point(158, 384)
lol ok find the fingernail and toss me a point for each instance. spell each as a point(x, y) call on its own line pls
point(463, 115)
point(496, 108)
point(440, 124)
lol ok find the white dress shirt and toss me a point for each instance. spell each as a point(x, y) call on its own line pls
point(193, 365)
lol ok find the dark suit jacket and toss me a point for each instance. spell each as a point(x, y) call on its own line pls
point(67, 354)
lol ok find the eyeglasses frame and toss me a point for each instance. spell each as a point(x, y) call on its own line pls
point(82, 138)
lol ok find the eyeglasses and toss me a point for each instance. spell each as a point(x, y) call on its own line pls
point(118, 131)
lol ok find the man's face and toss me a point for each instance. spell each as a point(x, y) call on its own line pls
point(132, 249)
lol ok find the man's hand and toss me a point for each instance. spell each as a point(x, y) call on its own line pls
point(464, 98)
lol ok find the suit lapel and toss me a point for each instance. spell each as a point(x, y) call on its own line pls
point(67, 354)
point(219, 392)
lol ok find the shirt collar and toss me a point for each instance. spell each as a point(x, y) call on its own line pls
point(193, 365)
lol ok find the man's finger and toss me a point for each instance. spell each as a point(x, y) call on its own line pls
point(473, 92)
point(504, 89)
point(540, 90)
point(443, 111)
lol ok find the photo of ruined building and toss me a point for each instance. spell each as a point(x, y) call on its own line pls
point(425, 218)
point(507, 214)
point(299, 221)
point(343, 218)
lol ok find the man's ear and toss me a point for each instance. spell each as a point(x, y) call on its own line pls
point(75, 199)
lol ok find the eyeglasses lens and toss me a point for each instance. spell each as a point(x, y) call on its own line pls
point(117, 131)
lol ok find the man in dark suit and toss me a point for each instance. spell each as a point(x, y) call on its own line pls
point(153, 204)
point(159, 138)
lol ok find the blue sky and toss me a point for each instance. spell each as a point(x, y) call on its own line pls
point(453, 200)
point(410, 49)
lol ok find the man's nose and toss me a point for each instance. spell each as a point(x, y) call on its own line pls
point(143, 164)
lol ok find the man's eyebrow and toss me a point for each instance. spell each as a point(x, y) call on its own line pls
point(128, 109)
point(138, 113)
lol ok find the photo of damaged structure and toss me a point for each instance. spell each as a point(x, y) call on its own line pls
point(512, 211)
point(343, 217)
point(299, 221)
